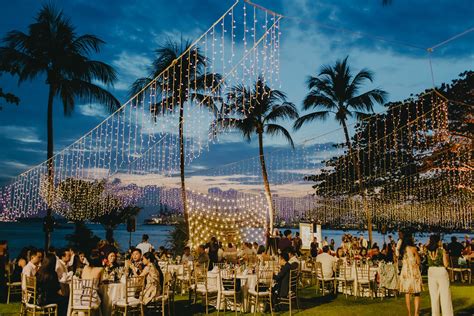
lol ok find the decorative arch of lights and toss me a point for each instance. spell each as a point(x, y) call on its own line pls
point(136, 152)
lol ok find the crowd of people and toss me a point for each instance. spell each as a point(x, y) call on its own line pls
point(106, 264)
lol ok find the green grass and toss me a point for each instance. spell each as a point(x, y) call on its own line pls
point(311, 304)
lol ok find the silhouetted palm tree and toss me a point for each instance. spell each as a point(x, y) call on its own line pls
point(52, 49)
point(336, 91)
point(185, 79)
point(259, 108)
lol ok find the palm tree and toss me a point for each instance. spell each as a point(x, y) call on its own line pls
point(335, 91)
point(259, 108)
point(52, 49)
point(181, 75)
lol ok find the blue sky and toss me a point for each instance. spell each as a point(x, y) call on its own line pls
point(315, 33)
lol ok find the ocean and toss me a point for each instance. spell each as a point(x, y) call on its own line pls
point(24, 234)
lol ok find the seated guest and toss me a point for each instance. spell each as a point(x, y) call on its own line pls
point(32, 267)
point(187, 256)
point(111, 267)
point(327, 262)
point(220, 252)
point(363, 253)
point(340, 254)
point(262, 255)
point(213, 249)
point(64, 257)
point(162, 253)
point(294, 262)
point(153, 277)
point(136, 260)
point(282, 279)
point(94, 270)
point(79, 262)
point(285, 242)
point(246, 250)
point(48, 287)
point(145, 246)
point(455, 249)
point(230, 254)
point(203, 258)
point(314, 248)
point(255, 248)
point(19, 263)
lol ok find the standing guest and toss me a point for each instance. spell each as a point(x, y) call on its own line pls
point(363, 243)
point(145, 246)
point(399, 243)
point(332, 245)
point(455, 249)
point(202, 258)
point(297, 243)
point(325, 241)
point(187, 257)
point(327, 262)
point(410, 276)
point(213, 248)
point(438, 278)
point(48, 287)
point(255, 247)
point(314, 247)
point(285, 242)
point(136, 260)
point(64, 257)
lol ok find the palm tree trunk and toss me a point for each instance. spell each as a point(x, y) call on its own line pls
point(181, 166)
point(50, 153)
point(266, 184)
point(346, 134)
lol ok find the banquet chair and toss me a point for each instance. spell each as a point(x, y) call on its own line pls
point(363, 279)
point(132, 302)
point(161, 302)
point(454, 269)
point(321, 281)
point(344, 278)
point(308, 272)
point(219, 265)
point(29, 299)
point(263, 290)
point(201, 287)
point(13, 288)
point(229, 289)
point(292, 292)
point(185, 279)
point(84, 296)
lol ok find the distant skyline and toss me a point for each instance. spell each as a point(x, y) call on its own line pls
point(133, 29)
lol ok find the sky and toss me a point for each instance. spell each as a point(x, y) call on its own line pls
point(390, 40)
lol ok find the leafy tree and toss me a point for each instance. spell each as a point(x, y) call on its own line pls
point(177, 91)
point(82, 238)
point(259, 108)
point(51, 48)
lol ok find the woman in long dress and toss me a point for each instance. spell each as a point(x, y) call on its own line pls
point(410, 276)
point(438, 278)
point(153, 278)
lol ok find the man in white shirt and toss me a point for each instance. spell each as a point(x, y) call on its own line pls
point(327, 262)
point(30, 269)
point(145, 246)
point(64, 256)
point(187, 256)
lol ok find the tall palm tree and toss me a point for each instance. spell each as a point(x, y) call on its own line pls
point(336, 91)
point(259, 108)
point(51, 49)
point(185, 79)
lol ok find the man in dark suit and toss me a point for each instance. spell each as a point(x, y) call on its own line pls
point(285, 242)
point(282, 279)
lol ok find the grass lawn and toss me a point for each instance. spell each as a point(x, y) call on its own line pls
point(311, 304)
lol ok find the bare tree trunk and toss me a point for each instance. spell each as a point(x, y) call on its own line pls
point(346, 134)
point(181, 167)
point(50, 163)
point(266, 184)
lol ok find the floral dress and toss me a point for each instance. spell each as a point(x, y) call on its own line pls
point(410, 276)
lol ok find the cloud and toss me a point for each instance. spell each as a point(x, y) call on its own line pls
point(130, 67)
point(93, 110)
point(15, 165)
point(20, 134)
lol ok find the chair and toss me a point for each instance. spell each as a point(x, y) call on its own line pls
point(292, 292)
point(229, 289)
point(184, 280)
point(162, 301)
point(363, 279)
point(132, 302)
point(201, 286)
point(84, 295)
point(455, 269)
point(29, 299)
point(344, 278)
point(262, 291)
point(321, 280)
point(307, 272)
point(220, 265)
point(13, 288)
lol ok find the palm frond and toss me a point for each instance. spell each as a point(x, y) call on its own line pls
point(283, 111)
point(365, 101)
point(314, 99)
point(86, 44)
point(322, 115)
point(275, 129)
